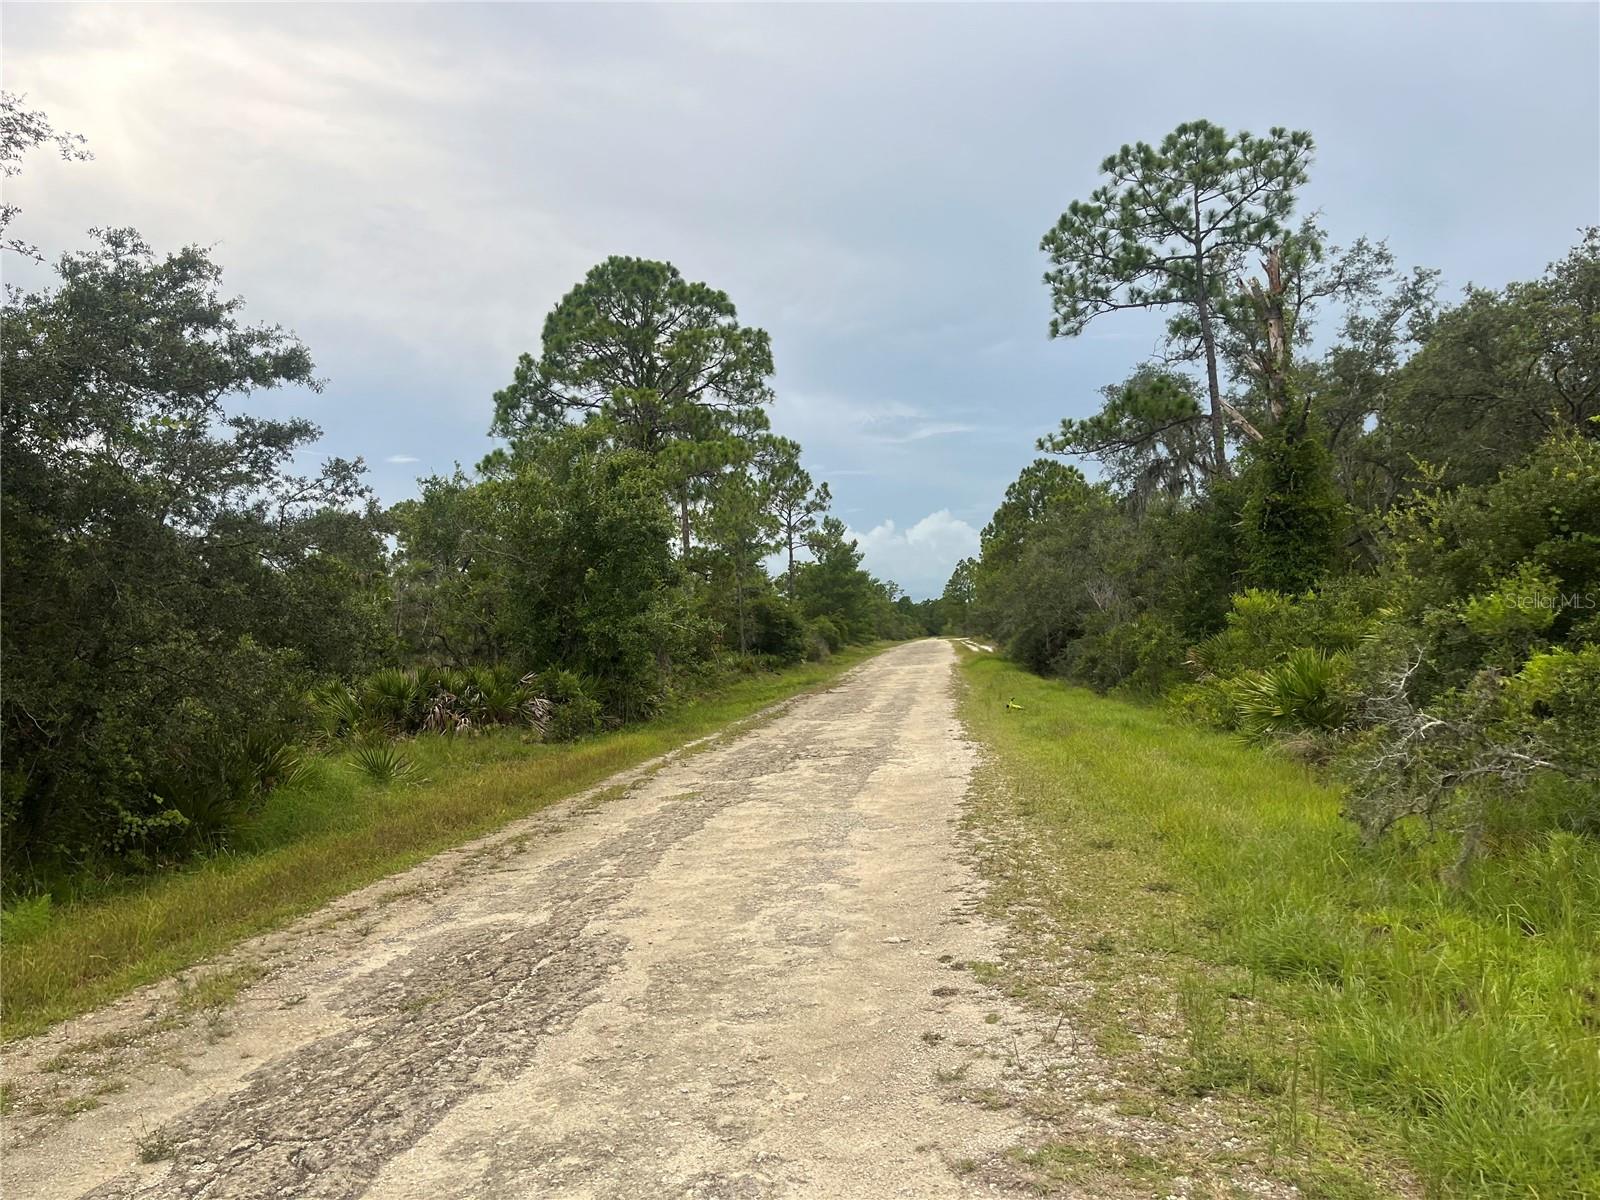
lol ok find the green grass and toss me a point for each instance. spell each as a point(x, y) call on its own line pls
point(330, 832)
point(1458, 1028)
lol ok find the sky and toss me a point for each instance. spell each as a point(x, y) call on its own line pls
point(411, 188)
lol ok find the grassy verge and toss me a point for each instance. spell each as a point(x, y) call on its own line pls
point(1297, 975)
point(331, 833)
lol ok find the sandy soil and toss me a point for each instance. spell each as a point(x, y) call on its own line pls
point(742, 976)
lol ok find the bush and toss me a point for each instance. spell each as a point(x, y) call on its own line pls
point(1293, 514)
point(392, 700)
point(1496, 756)
point(573, 712)
point(336, 711)
point(381, 761)
point(1559, 691)
point(1264, 627)
point(1143, 656)
point(204, 796)
point(779, 631)
point(824, 629)
point(1492, 574)
point(493, 696)
point(1304, 692)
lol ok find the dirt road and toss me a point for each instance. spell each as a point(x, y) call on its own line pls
point(744, 976)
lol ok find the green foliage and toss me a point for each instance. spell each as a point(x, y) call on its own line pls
point(381, 761)
point(739, 531)
point(1165, 232)
point(336, 710)
point(822, 629)
point(1415, 527)
point(179, 606)
point(449, 588)
point(495, 696)
point(794, 502)
point(1453, 1025)
point(392, 700)
point(1043, 489)
point(1489, 574)
point(592, 584)
point(960, 591)
point(169, 583)
point(1560, 690)
point(1264, 627)
point(652, 357)
point(1151, 437)
point(332, 832)
point(777, 629)
point(1497, 375)
point(575, 713)
point(24, 919)
point(1293, 516)
point(835, 588)
point(1143, 655)
point(652, 363)
point(1302, 692)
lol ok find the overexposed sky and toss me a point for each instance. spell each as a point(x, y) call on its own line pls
point(412, 187)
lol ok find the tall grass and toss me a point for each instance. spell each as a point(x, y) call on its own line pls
point(1460, 1024)
point(337, 827)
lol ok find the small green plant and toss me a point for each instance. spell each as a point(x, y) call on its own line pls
point(1300, 693)
point(393, 699)
point(381, 762)
point(24, 919)
point(155, 1145)
point(275, 761)
point(493, 698)
point(336, 711)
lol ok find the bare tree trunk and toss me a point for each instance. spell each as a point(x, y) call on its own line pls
point(1208, 338)
point(1274, 360)
point(1277, 334)
point(683, 521)
point(738, 587)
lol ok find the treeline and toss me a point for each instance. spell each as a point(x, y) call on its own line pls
point(1335, 513)
point(183, 610)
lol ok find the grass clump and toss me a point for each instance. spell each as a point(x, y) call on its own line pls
point(381, 762)
point(1458, 1024)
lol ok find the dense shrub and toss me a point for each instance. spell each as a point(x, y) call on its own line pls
point(1489, 575)
point(574, 712)
point(1143, 655)
point(824, 630)
point(169, 583)
point(1293, 515)
point(778, 630)
point(1303, 692)
point(1384, 573)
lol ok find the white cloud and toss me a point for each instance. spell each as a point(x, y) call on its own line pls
point(400, 459)
point(936, 429)
point(921, 557)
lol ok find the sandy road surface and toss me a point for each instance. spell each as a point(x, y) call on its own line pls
point(742, 977)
